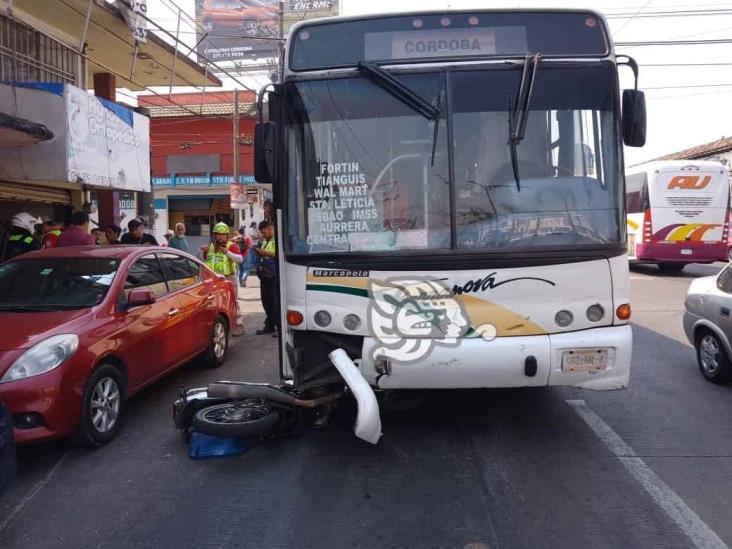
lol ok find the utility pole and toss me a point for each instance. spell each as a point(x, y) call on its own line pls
point(235, 157)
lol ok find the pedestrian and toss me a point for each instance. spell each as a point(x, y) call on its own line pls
point(137, 234)
point(77, 234)
point(268, 279)
point(168, 235)
point(112, 232)
point(179, 240)
point(22, 239)
point(51, 230)
point(96, 233)
point(245, 244)
point(222, 256)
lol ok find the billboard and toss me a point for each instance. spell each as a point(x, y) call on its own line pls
point(244, 29)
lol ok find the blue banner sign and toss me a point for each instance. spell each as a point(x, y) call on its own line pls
point(206, 180)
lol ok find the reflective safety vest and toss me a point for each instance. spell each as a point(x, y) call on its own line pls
point(54, 232)
point(21, 238)
point(219, 262)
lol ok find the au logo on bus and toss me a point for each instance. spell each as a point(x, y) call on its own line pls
point(689, 182)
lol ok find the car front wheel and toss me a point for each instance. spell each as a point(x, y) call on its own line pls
point(712, 358)
point(729, 254)
point(102, 407)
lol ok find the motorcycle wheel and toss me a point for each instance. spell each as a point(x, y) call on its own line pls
point(236, 419)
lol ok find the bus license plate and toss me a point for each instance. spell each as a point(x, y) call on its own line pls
point(686, 251)
point(584, 361)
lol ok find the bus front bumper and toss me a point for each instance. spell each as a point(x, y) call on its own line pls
point(528, 361)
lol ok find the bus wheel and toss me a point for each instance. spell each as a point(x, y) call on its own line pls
point(671, 267)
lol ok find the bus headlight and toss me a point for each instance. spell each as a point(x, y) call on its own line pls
point(322, 318)
point(595, 312)
point(563, 318)
point(351, 322)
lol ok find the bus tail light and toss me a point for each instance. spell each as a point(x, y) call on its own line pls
point(725, 229)
point(647, 233)
point(294, 318)
point(623, 311)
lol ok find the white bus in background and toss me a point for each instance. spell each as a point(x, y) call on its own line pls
point(678, 213)
point(449, 195)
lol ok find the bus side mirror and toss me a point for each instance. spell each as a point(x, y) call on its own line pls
point(264, 152)
point(634, 118)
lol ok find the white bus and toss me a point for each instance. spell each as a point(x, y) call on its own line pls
point(450, 202)
point(678, 213)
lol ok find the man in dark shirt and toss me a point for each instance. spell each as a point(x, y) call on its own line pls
point(78, 233)
point(137, 234)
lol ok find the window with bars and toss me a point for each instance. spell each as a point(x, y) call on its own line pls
point(26, 55)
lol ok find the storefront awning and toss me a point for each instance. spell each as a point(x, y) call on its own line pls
point(19, 132)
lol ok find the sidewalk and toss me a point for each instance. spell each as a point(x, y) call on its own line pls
point(254, 357)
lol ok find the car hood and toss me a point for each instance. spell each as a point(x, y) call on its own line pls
point(23, 330)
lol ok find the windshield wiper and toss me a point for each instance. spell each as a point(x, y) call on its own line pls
point(406, 95)
point(518, 114)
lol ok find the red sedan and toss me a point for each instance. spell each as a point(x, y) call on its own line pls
point(83, 328)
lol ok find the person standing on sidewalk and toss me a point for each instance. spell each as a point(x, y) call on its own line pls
point(222, 256)
point(268, 280)
point(245, 244)
point(78, 233)
point(51, 230)
point(179, 240)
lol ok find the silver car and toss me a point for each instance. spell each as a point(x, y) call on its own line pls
point(708, 324)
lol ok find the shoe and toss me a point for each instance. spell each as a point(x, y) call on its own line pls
point(265, 330)
point(275, 334)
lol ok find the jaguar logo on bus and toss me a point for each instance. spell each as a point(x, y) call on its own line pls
point(689, 182)
point(409, 317)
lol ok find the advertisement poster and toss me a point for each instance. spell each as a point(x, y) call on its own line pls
point(238, 196)
point(107, 145)
point(245, 29)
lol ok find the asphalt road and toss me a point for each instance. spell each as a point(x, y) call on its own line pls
point(650, 466)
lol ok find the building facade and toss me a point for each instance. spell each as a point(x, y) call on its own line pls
point(193, 163)
point(51, 53)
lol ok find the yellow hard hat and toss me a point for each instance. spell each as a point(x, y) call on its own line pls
point(221, 228)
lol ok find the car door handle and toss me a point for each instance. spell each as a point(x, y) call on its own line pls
point(173, 312)
point(724, 311)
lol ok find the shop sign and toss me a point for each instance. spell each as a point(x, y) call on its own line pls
point(238, 196)
point(206, 180)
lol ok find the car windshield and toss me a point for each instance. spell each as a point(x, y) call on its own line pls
point(54, 284)
point(367, 172)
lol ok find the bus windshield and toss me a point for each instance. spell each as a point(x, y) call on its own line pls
point(368, 173)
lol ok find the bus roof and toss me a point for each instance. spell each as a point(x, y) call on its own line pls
point(676, 165)
point(454, 35)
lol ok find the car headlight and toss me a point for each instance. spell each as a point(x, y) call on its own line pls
point(43, 357)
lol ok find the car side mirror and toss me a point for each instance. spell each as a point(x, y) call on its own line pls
point(140, 296)
point(634, 118)
point(264, 152)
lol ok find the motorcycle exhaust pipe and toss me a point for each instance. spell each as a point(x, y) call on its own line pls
point(243, 390)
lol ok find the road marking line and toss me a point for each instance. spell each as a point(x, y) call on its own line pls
point(30, 495)
point(681, 514)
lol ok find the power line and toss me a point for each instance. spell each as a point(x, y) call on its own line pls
point(673, 43)
point(679, 13)
point(684, 86)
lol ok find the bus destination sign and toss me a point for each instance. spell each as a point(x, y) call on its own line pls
point(445, 42)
